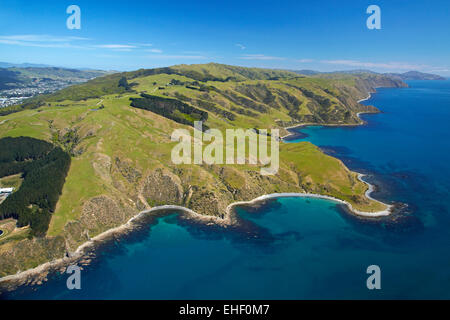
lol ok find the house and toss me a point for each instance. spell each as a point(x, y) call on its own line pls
point(6, 190)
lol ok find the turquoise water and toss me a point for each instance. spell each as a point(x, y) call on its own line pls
point(300, 248)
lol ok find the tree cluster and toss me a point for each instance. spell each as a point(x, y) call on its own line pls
point(44, 169)
point(170, 108)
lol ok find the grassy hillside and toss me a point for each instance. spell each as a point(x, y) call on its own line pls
point(121, 154)
point(9, 79)
point(58, 73)
point(238, 92)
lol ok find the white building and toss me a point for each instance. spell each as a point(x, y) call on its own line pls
point(6, 190)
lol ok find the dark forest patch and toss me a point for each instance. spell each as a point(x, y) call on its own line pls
point(44, 168)
point(175, 110)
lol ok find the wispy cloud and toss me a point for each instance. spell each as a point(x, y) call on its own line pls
point(42, 41)
point(155, 50)
point(107, 56)
point(381, 65)
point(195, 53)
point(115, 46)
point(304, 60)
point(41, 38)
point(259, 57)
point(169, 56)
point(50, 41)
point(439, 69)
point(35, 44)
point(143, 45)
point(241, 46)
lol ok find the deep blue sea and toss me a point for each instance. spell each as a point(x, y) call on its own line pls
point(299, 248)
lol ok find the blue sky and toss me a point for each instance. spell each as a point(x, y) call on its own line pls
point(319, 35)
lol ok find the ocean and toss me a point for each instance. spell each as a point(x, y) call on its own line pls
point(303, 248)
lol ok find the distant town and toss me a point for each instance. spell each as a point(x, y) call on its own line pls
point(15, 96)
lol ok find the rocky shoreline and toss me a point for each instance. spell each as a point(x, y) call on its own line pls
point(38, 275)
point(292, 132)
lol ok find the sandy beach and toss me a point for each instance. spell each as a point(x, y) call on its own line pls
point(38, 275)
point(370, 189)
point(367, 98)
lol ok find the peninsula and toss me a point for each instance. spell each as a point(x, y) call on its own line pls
point(116, 130)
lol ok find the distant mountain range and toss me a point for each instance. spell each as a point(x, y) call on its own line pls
point(410, 75)
point(22, 65)
point(416, 75)
point(15, 75)
point(21, 75)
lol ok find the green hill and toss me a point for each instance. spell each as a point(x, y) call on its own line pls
point(244, 92)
